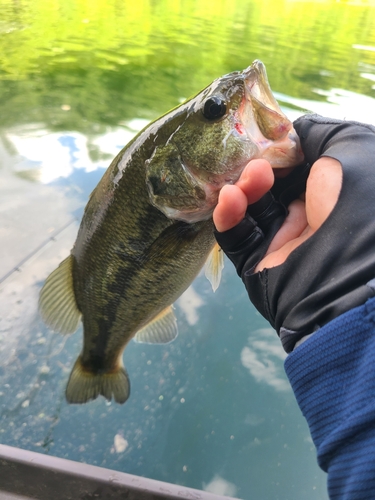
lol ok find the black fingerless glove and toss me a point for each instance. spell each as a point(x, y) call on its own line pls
point(334, 270)
point(246, 243)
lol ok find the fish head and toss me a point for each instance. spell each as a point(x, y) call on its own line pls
point(212, 137)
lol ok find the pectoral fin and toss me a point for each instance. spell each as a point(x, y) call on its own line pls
point(57, 303)
point(213, 267)
point(161, 330)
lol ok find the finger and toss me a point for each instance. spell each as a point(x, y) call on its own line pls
point(322, 190)
point(230, 209)
point(292, 233)
point(294, 225)
point(256, 179)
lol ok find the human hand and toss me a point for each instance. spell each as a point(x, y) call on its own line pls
point(305, 215)
point(304, 269)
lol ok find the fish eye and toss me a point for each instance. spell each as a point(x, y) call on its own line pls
point(215, 107)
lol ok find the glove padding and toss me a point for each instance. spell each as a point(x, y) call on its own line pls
point(331, 272)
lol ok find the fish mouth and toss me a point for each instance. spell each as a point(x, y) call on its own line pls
point(272, 122)
point(263, 120)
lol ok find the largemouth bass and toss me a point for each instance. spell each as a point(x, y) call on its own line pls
point(147, 228)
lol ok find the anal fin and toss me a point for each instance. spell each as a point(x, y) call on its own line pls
point(161, 330)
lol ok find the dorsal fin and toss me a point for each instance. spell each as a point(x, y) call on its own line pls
point(161, 330)
point(57, 303)
point(213, 267)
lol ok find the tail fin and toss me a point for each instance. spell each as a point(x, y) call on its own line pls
point(84, 386)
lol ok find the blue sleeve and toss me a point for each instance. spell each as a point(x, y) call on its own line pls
point(332, 375)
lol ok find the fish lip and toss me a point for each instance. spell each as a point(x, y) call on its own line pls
point(258, 87)
point(265, 107)
point(278, 143)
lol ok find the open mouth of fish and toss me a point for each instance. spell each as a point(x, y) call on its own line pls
point(260, 120)
point(264, 131)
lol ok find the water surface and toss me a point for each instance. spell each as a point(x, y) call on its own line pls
point(213, 410)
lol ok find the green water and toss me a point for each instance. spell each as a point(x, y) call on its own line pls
point(213, 410)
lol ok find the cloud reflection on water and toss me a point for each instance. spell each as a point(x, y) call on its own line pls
point(190, 302)
point(339, 103)
point(220, 486)
point(262, 359)
point(54, 155)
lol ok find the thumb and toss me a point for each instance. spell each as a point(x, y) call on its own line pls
point(256, 179)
